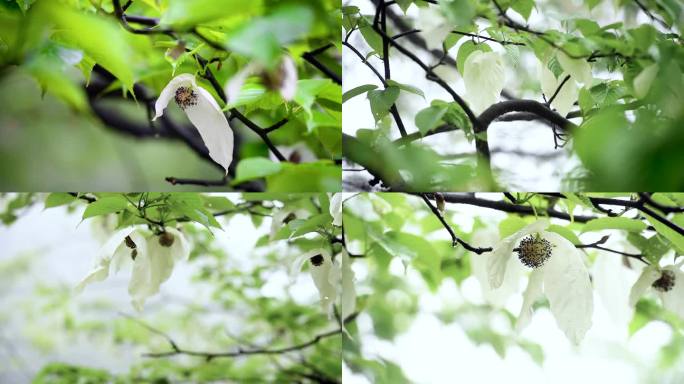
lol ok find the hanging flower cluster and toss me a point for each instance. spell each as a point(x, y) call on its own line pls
point(666, 282)
point(208, 117)
point(558, 272)
point(152, 256)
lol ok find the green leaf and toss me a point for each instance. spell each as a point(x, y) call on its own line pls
point(510, 225)
point(591, 3)
point(382, 100)
point(100, 38)
point(105, 205)
point(430, 118)
point(254, 168)
point(361, 89)
point(565, 232)
point(404, 4)
point(523, 7)
point(460, 13)
point(373, 39)
point(624, 223)
point(263, 38)
point(669, 233)
point(58, 198)
point(188, 13)
point(321, 176)
point(407, 88)
point(465, 50)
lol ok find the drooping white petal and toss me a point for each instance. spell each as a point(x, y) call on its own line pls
point(348, 301)
point(336, 208)
point(644, 80)
point(139, 285)
point(154, 266)
point(579, 69)
point(100, 270)
point(326, 278)
point(478, 263)
point(673, 300)
point(234, 85)
point(568, 288)
point(533, 291)
point(213, 127)
point(648, 276)
point(169, 92)
point(98, 273)
point(434, 26)
point(484, 75)
point(299, 260)
point(612, 281)
point(567, 95)
point(124, 254)
point(180, 249)
point(498, 260)
point(288, 86)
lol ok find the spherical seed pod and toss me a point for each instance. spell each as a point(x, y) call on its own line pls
point(533, 251)
point(185, 97)
point(666, 282)
point(129, 242)
point(166, 239)
point(317, 260)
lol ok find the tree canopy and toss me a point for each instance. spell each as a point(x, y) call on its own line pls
point(604, 77)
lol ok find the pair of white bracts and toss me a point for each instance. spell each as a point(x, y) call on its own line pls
point(205, 113)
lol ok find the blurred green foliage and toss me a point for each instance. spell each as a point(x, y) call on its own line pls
point(62, 146)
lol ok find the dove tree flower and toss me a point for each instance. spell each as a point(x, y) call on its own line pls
point(153, 258)
point(282, 79)
point(324, 272)
point(333, 278)
point(668, 284)
point(484, 76)
point(204, 113)
point(499, 296)
point(558, 272)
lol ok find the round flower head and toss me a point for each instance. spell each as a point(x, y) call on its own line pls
point(558, 272)
point(666, 282)
point(204, 113)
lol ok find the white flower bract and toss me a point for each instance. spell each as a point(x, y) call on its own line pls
point(672, 299)
point(563, 279)
point(204, 113)
point(152, 261)
point(484, 76)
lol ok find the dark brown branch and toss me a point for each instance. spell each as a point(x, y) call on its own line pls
point(205, 183)
point(311, 58)
point(560, 86)
point(455, 240)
